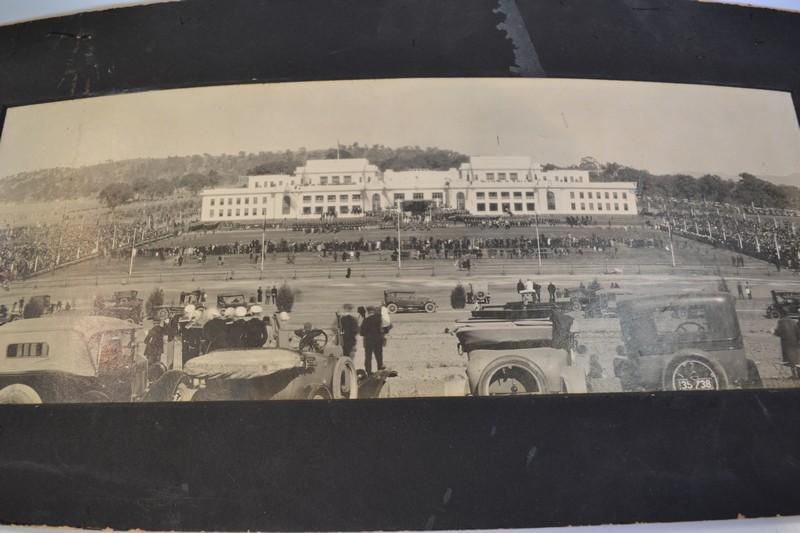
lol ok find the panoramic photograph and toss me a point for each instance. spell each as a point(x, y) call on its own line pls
point(399, 238)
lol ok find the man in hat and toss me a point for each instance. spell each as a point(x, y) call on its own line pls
point(372, 331)
point(789, 332)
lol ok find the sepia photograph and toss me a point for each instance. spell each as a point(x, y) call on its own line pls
point(399, 238)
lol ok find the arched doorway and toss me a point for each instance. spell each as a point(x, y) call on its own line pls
point(551, 201)
point(287, 205)
point(461, 201)
point(376, 202)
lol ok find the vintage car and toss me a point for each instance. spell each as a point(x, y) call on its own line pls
point(478, 293)
point(125, 305)
point(784, 303)
point(225, 301)
point(69, 359)
point(407, 301)
point(513, 311)
point(37, 306)
point(604, 303)
point(688, 342)
point(522, 357)
point(167, 312)
point(278, 363)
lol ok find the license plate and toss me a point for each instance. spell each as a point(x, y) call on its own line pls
point(696, 384)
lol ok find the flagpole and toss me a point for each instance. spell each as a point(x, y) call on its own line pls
point(777, 247)
point(399, 211)
point(263, 241)
point(538, 247)
point(671, 246)
point(130, 268)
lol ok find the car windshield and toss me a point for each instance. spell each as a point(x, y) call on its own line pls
point(663, 329)
point(232, 299)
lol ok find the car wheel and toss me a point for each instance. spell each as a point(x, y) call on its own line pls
point(753, 380)
point(430, 307)
point(694, 373)
point(508, 376)
point(576, 305)
point(19, 393)
point(392, 308)
point(162, 314)
point(774, 313)
point(344, 381)
point(319, 392)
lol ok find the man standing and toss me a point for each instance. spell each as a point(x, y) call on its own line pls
point(748, 291)
point(789, 332)
point(740, 290)
point(372, 331)
point(274, 295)
point(551, 289)
point(349, 327)
point(154, 343)
point(259, 293)
point(520, 286)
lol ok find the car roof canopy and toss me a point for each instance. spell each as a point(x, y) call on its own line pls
point(641, 305)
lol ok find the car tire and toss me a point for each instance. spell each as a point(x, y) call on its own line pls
point(170, 387)
point(19, 393)
point(774, 313)
point(392, 308)
point(344, 381)
point(685, 366)
point(430, 307)
point(525, 373)
point(576, 305)
point(319, 392)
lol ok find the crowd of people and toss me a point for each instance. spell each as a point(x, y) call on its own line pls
point(770, 238)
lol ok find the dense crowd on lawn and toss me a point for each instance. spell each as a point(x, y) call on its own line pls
point(26, 250)
point(748, 231)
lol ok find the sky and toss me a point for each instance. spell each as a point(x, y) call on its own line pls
point(659, 127)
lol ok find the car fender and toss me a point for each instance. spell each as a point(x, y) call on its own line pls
point(573, 380)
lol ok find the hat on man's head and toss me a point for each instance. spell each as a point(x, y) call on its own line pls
point(371, 309)
point(348, 308)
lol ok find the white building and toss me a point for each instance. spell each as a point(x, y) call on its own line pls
point(485, 185)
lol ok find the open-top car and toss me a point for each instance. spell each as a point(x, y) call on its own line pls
point(478, 293)
point(407, 301)
point(604, 303)
point(513, 311)
point(66, 359)
point(231, 300)
point(125, 305)
point(687, 342)
point(520, 357)
point(784, 303)
point(166, 312)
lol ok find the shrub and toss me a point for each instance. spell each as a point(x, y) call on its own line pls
point(285, 300)
point(155, 299)
point(458, 297)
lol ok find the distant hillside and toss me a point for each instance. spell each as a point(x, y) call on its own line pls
point(87, 181)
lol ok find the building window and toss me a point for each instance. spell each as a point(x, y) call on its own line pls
point(492, 207)
point(514, 176)
point(624, 196)
point(264, 200)
point(490, 176)
point(238, 201)
point(307, 199)
point(343, 198)
point(572, 195)
point(286, 208)
point(398, 196)
point(418, 196)
point(263, 211)
point(376, 202)
point(331, 209)
point(319, 198)
point(501, 176)
point(220, 212)
point(590, 195)
point(246, 211)
point(573, 206)
point(238, 212)
point(331, 197)
point(461, 201)
point(230, 201)
point(599, 206)
point(614, 194)
point(481, 207)
point(271, 183)
point(230, 212)
point(247, 201)
point(492, 194)
point(335, 180)
point(625, 206)
point(323, 180)
point(504, 194)
point(551, 201)
point(591, 206)
point(531, 206)
point(307, 210)
point(528, 194)
point(318, 210)
point(580, 195)
point(212, 201)
point(344, 209)
point(506, 208)
point(583, 206)
point(356, 197)
point(518, 207)
point(437, 196)
point(606, 194)
point(517, 194)
point(616, 206)
point(608, 206)
point(480, 195)
point(348, 180)
point(580, 179)
point(28, 349)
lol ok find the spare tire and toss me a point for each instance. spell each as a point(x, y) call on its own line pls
point(344, 379)
point(693, 372)
point(19, 393)
point(511, 375)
